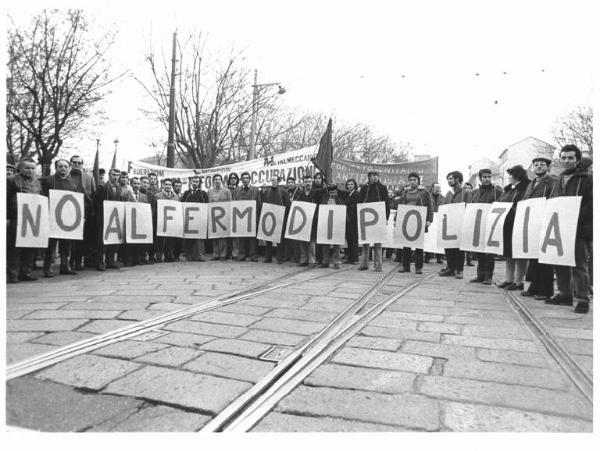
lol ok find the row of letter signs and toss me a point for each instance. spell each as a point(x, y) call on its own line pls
point(543, 229)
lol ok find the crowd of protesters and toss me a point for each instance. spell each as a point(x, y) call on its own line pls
point(573, 283)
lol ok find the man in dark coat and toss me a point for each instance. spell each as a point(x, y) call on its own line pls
point(487, 193)
point(350, 199)
point(455, 258)
point(516, 268)
point(539, 274)
point(19, 260)
point(60, 181)
point(575, 182)
point(421, 198)
point(307, 249)
point(436, 200)
point(276, 195)
point(86, 248)
point(194, 248)
point(135, 253)
point(109, 191)
point(373, 191)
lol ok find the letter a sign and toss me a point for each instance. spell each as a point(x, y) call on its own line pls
point(557, 231)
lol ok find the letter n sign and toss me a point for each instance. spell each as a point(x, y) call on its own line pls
point(32, 220)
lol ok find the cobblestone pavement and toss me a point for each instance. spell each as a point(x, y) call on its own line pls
point(447, 356)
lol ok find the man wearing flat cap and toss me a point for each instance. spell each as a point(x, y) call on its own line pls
point(539, 274)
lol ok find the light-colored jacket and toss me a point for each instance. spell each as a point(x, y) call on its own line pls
point(219, 195)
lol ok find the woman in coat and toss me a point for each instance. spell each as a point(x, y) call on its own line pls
point(350, 197)
point(516, 268)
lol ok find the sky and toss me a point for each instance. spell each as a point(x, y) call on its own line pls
point(405, 68)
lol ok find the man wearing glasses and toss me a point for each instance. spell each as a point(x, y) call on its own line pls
point(85, 184)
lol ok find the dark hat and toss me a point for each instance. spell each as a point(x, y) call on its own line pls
point(518, 172)
point(544, 159)
point(332, 187)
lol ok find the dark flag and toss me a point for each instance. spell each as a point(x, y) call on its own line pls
point(96, 170)
point(114, 162)
point(323, 160)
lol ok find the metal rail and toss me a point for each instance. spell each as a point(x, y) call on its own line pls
point(248, 409)
point(573, 370)
point(89, 344)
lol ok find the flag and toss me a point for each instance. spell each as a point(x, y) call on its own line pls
point(96, 170)
point(114, 162)
point(323, 160)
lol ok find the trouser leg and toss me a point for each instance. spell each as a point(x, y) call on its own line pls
point(312, 252)
point(377, 255)
point(521, 270)
point(325, 252)
point(481, 264)
point(364, 258)
point(510, 269)
point(268, 250)
point(49, 253)
point(418, 258)
point(579, 274)
point(449, 259)
point(405, 258)
point(459, 260)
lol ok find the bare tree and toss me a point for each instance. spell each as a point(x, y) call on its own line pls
point(213, 104)
point(58, 74)
point(576, 128)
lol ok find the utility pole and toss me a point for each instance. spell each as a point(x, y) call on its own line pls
point(171, 141)
point(254, 114)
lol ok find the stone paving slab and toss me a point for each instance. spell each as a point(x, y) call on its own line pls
point(275, 338)
point(208, 329)
point(87, 371)
point(230, 366)
point(66, 314)
point(491, 343)
point(46, 406)
point(404, 410)
point(238, 347)
point(384, 360)
point(173, 356)
point(514, 357)
point(288, 325)
point(282, 422)
point(17, 352)
point(62, 338)
point(129, 349)
point(384, 344)
point(494, 393)
point(234, 319)
point(43, 325)
point(183, 339)
point(156, 419)
point(461, 417)
point(207, 394)
point(22, 337)
point(101, 326)
point(368, 379)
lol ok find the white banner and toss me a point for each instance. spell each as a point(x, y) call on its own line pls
point(169, 218)
point(410, 226)
point(271, 222)
point(243, 218)
point(195, 220)
point(430, 243)
point(331, 226)
point(372, 223)
point(138, 223)
point(66, 214)
point(473, 235)
point(219, 219)
point(526, 232)
point(450, 225)
point(32, 220)
point(113, 231)
point(300, 220)
point(494, 227)
point(295, 163)
point(558, 230)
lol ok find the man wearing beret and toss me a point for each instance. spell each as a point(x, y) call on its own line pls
point(539, 274)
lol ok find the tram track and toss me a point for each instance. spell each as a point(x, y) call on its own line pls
point(45, 360)
point(248, 409)
point(576, 374)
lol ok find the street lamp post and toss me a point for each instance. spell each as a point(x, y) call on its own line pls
point(255, 94)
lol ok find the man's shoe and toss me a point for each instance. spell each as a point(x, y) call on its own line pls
point(323, 266)
point(470, 264)
point(540, 297)
point(78, 266)
point(268, 260)
point(303, 264)
point(514, 287)
point(476, 280)
point(101, 267)
point(48, 273)
point(66, 271)
point(253, 259)
point(113, 265)
point(440, 261)
point(403, 270)
point(362, 268)
point(487, 282)
point(527, 293)
point(215, 258)
point(504, 284)
point(12, 279)
point(378, 269)
point(557, 299)
point(27, 278)
point(459, 275)
point(582, 307)
point(418, 271)
point(447, 273)
point(336, 266)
